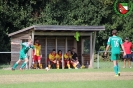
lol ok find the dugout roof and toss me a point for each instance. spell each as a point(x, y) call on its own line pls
point(60, 28)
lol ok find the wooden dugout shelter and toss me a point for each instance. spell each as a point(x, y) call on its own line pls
point(59, 38)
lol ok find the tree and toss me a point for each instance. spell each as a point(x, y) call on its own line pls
point(18, 14)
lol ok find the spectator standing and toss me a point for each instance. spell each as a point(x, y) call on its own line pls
point(128, 48)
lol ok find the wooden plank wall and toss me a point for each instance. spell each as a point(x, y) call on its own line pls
point(50, 44)
point(86, 58)
point(70, 43)
point(61, 44)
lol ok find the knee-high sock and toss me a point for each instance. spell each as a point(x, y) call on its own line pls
point(23, 65)
point(57, 66)
point(116, 70)
point(35, 65)
point(15, 65)
point(49, 66)
point(40, 65)
point(68, 65)
point(74, 65)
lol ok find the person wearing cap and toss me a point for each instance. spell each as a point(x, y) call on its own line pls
point(115, 42)
point(128, 48)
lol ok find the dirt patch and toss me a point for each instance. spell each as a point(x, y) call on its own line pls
point(7, 79)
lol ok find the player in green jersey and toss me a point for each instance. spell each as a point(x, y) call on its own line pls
point(23, 53)
point(116, 43)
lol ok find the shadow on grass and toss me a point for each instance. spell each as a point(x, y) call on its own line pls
point(4, 65)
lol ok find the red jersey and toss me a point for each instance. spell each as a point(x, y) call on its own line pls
point(127, 47)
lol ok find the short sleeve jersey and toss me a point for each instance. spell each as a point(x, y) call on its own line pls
point(67, 57)
point(25, 47)
point(52, 56)
point(115, 43)
point(38, 49)
point(59, 56)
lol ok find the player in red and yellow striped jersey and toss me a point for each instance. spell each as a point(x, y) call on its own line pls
point(52, 58)
point(37, 54)
point(59, 58)
point(67, 59)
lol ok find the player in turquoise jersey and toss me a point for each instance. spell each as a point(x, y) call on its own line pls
point(23, 53)
point(116, 43)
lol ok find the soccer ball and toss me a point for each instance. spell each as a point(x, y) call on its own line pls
point(47, 69)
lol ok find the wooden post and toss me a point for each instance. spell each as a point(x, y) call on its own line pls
point(46, 57)
point(64, 53)
point(66, 48)
point(56, 44)
point(93, 48)
point(90, 66)
point(82, 50)
point(30, 59)
point(62, 61)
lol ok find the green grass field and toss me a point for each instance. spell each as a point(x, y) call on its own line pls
point(80, 78)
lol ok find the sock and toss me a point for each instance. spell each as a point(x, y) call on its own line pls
point(40, 65)
point(116, 70)
point(35, 66)
point(57, 66)
point(15, 65)
point(23, 65)
point(74, 65)
point(68, 65)
point(49, 66)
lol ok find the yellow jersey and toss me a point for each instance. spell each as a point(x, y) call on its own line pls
point(59, 56)
point(52, 56)
point(37, 49)
point(67, 57)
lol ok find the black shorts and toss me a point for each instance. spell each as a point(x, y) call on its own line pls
point(128, 56)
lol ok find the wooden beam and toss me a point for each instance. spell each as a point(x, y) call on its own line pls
point(92, 42)
point(56, 44)
point(46, 52)
point(66, 48)
point(62, 33)
point(82, 50)
point(93, 48)
point(90, 66)
point(30, 59)
point(64, 52)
